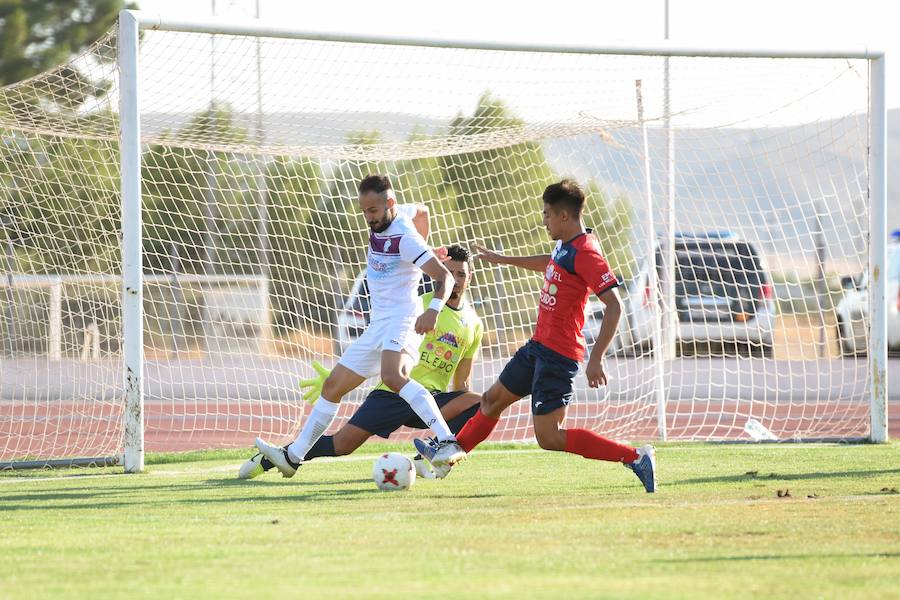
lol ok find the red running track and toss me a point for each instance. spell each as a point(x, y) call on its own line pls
point(68, 429)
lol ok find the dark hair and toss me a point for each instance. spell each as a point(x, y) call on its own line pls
point(567, 195)
point(458, 253)
point(374, 183)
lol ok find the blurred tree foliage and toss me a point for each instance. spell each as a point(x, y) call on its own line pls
point(290, 217)
point(37, 35)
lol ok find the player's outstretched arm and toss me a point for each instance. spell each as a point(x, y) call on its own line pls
point(443, 287)
point(532, 263)
point(594, 372)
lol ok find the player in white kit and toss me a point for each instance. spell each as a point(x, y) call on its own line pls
point(390, 345)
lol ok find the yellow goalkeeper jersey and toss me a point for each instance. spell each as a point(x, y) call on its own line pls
point(457, 335)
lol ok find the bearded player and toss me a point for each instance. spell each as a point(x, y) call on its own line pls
point(545, 367)
point(397, 254)
point(445, 363)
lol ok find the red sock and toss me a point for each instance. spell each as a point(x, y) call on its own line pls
point(590, 445)
point(475, 431)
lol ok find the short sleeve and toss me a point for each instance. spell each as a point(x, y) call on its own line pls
point(473, 349)
point(414, 249)
point(594, 270)
point(407, 210)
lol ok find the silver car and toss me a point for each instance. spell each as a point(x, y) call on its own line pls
point(853, 309)
point(723, 297)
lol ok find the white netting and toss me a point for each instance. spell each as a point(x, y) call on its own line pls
point(252, 242)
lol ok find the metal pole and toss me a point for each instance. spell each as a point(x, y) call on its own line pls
point(132, 271)
point(821, 284)
point(263, 198)
point(151, 20)
point(54, 334)
point(658, 350)
point(878, 406)
point(177, 298)
point(211, 233)
point(10, 295)
point(669, 320)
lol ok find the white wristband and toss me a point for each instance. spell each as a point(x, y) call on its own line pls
point(436, 304)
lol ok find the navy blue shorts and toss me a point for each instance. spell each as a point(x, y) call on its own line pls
point(383, 412)
point(547, 375)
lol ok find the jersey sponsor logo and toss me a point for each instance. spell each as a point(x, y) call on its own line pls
point(378, 266)
point(449, 339)
point(389, 245)
point(552, 274)
point(548, 294)
point(437, 362)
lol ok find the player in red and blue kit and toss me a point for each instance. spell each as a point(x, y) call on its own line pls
point(545, 367)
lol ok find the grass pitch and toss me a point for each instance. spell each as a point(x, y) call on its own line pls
point(737, 521)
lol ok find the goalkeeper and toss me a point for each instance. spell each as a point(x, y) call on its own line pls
point(446, 354)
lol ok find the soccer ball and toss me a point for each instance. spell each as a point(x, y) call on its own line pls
point(393, 471)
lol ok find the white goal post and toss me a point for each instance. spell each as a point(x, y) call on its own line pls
point(239, 148)
point(132, 22)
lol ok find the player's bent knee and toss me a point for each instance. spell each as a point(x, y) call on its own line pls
point(395, 381)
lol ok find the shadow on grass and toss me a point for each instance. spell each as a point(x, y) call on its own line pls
point(149, 494)
point(787, 476)
point(780, 557)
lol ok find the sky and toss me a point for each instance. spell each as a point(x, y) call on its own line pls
point(820, 23)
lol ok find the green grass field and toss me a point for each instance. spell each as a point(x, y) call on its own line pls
point(509, 522)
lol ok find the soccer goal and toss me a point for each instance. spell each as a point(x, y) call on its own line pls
point(180, 238)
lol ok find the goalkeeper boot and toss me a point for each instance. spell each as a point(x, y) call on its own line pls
point(255, 466)
point(278, 456)
point(423, 469)
point(645, 467)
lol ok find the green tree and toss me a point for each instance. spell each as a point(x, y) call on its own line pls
point(421, 180)
point(612, 222)
point(59, 199)
point(496, 188)
point(293, 188)
point(196, 202)
point(36, 35)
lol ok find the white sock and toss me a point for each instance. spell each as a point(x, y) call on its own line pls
point(424, 405)
point(316, 423)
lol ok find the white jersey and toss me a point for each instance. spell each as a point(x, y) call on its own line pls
point(393, 267)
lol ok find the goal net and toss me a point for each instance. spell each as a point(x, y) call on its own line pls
point(729, 216)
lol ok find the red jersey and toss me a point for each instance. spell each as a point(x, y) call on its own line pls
point(575, 270)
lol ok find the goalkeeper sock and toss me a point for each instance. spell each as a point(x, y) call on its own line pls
point(316, 423)
point(476, 430)
point(324, 446)
point(590, 445)
point(423, 404)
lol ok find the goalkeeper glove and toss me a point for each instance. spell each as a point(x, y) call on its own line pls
point(313, 386)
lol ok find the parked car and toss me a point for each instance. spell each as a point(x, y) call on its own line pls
point(853, 309)
point(723, 296)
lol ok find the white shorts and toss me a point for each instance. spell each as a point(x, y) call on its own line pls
point(363, 356)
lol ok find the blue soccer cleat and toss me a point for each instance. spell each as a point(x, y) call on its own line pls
point(645, 467)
